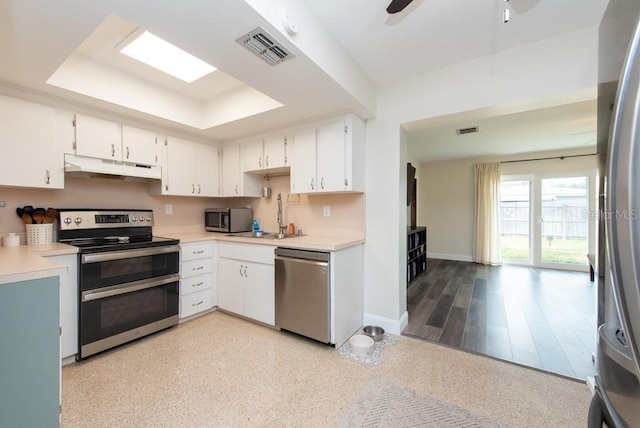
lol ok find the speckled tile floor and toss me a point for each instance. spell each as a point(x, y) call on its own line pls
point(219, 370)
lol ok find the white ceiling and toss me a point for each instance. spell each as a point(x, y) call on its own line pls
point(38, 36)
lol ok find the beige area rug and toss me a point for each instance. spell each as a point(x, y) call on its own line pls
point(383, 403)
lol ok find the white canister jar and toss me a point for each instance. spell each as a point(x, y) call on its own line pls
point(11, 240)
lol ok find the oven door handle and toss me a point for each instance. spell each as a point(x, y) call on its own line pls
point(126, 254)
point(129, 287)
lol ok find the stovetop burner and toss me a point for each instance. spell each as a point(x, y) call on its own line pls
point(108, 230)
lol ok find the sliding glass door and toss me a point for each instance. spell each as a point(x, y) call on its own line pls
point(546, 221)
point(515, 224)
point(564, 221)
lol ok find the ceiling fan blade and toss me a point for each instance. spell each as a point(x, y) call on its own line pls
point(397, 5)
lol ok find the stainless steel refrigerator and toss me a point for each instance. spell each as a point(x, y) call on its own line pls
point(617, 399)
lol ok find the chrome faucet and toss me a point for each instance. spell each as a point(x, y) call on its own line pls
point(281, 226)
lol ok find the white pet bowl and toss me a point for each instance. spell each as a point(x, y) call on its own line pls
point(360, 344)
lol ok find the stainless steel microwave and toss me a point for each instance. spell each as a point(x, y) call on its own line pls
point(228, 220)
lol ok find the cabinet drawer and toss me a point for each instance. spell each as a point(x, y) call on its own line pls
point(196, 283)
point(196, 267)
point(196, 250)
point(248, 252)
point(194, 303)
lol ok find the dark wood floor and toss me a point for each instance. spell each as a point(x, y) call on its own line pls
point(537, 317)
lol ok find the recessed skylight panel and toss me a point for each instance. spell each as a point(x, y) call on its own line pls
point(159, 54)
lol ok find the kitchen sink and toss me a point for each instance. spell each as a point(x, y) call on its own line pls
point(263, 235)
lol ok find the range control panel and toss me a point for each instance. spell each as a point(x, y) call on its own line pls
point(92, 219)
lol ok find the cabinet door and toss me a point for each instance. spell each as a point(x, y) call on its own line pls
point(331, 157)
point(207, 170)
point(231, 285)
point(231, 171)
point(98, 138)
point(30, 356)
point(138, 146)
point(259, 293)
point(303, 171)
point(275, 154)
point(27, 131)
point(253, 156)
point(180, 167)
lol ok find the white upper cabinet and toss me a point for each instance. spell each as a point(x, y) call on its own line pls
point(303, 172)
point(207, 170)
point(98, 138)
point(139, 146)
point(253, 155)
point(264, 155)
point(234, 180)
point(188, 169)
point(103, 139)
point(231, 170)
point(28, 135)
point(329, 157)
point(275, 151)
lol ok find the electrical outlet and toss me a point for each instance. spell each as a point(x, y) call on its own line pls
point(168, 209)
point(326, 210)
point(3, 204)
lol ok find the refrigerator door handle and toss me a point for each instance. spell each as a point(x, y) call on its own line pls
point(623, 198)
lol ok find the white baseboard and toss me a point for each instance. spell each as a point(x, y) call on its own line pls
point(445, 256)
point(390, 325)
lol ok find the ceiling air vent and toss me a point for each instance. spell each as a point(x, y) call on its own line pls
point(265, 46)
point(470, 130)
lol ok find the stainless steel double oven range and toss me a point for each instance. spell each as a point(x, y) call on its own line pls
point(128, 279)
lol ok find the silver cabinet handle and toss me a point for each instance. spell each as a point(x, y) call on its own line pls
point(240, 270)
point(127, 152)
point(198, 189)
point(266, 160)
point(236, 189)
point(198, 252)
point(260, 161)
point(245, 272)
point(198, 284)
point(322, 183)
point(48, 176)
point(312, 184)
point(193, 189)
point(197, 268)
point(113, 150)
point(197, 304)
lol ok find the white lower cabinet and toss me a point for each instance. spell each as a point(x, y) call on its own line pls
point(68, 305)
point(246, 280)
point(197, 278)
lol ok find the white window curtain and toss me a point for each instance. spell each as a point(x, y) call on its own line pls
point(486, 230)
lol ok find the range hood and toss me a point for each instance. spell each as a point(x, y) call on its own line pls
point(102, 168)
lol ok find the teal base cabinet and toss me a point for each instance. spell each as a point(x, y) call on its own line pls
point(30, 353)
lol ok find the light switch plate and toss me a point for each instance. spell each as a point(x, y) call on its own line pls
point(168, 209)
point(326, 210)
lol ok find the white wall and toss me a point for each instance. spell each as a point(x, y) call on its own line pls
point(447, 188)
point(560, 65)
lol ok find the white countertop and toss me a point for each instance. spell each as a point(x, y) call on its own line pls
point(310, 242)
point(26, 262)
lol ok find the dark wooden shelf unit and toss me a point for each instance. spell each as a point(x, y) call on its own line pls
point(416, 253)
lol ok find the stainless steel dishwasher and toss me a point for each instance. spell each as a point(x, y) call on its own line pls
point(303, 293)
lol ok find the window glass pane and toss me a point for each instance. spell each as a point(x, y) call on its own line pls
point(514, 220)
point(565, 225)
